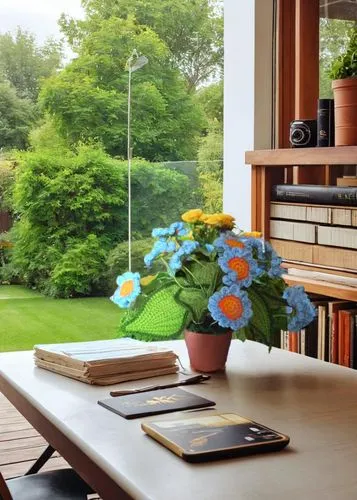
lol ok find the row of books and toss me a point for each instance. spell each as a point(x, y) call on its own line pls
point(319, 240)
point(332, 336)
point(312, 233)
point(310, 224)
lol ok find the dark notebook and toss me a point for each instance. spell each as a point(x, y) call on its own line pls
point(154, 402)
point(208, 437)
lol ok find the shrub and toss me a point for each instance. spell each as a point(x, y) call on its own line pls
point(72, 210)
point(210, 169)
point(62, 199)
point(7, 181)
point(8, 273)
point(117, 262)
point(79, 270)
point(159, 195)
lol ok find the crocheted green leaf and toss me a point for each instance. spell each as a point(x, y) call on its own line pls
point(271, 293)
point(205, 273)
point(260, 323)
point(195, 300)
point(159, 317)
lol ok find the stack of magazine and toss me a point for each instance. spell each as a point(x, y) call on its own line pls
point(106, 362)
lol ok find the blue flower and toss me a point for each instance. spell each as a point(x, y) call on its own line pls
point(187, 248)
point(231, 307)
point(210, 248)
point(175, 263)
point(160, 247)
point(178, 228)
point(269, 260)
point(128, 289)
point(275, 270)
point(160, 232)
point(239, 266)
point(228, 240)
point(301, 311)
point(175, 229)
point(258, 245)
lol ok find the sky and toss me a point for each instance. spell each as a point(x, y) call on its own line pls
point(37, 16)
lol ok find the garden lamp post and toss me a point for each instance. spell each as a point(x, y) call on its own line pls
point(134, 63)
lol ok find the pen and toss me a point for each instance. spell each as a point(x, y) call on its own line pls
point(197, 379)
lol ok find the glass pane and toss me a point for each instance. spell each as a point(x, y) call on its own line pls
point(69, 74)
point(337, 18)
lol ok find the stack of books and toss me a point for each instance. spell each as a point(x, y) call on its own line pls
point(106, 362)
point(332, 336)
point(311, 224)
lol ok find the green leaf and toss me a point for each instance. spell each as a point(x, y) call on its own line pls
point(195, 300)
point(261, 321)
point(205, 275)
point(159, 316)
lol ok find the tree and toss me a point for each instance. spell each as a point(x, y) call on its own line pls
point(88, 99)
point(192, 30)
point(210, 152)
point(24, 64)
point(334, 38)
point(16, 118)
point(210, 169)
point(7, 181)
point(211, 100)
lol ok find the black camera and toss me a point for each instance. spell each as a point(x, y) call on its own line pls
point(303, 133)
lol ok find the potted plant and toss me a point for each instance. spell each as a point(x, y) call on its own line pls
point(215, 283)
point(344, 85)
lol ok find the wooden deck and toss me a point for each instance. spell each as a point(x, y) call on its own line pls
point(20, 444)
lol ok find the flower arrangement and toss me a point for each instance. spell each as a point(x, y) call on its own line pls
point(213, 280)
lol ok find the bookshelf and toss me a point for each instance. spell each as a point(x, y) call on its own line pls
point(343, 155)
point(320, 166)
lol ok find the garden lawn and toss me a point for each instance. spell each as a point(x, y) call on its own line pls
point(27, 318)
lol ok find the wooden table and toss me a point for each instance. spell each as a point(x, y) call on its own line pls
point(312, 401)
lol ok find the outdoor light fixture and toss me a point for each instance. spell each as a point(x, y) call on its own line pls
point(134, 63)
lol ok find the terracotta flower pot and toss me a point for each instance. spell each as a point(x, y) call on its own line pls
point(345, 95)
point(207, 352)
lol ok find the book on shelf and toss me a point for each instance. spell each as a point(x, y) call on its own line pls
point(320, 255)
point(313, 233)
point(346, 216)
point(315, 194)
point(293, 231)
point(321, 332)
point(106, 362)
point(347, 180)
point(323, 276)
point(337, 237)
point(346, 324)
point(332, 336)
point(333, 314)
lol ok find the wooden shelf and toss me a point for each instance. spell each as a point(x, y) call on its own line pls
point(344, 155)
point(334, 290)
point(318, 160)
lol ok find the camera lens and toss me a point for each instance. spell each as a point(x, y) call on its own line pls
point(297, 135)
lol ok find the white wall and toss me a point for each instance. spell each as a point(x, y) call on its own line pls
point(247, 97)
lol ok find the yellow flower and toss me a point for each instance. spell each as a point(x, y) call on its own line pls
point(192, 216)
point(224, 221)
point(253, 234)
point(204, 217)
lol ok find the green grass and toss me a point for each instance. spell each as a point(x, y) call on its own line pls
point(17, 292)
point(34, 319)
